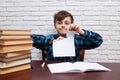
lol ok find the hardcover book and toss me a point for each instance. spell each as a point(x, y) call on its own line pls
point(14, 54)
point(14, 69)
point(12, 48)
point(14, 41)
point(4, 65)
point(27, 55)
point(6, 37)
point(15, 32)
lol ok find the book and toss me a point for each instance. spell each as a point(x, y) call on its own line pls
point(15, 69)
point(27, 55)
point(68, 67)
point(14, 63)
point(8, 37)
point(15, 32)
point(14, 41)
point(12, 48)
point(14, 54)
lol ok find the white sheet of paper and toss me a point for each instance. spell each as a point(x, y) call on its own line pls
point(71, 34)
point(65, 47)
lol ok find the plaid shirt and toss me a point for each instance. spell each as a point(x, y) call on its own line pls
point(89, 40)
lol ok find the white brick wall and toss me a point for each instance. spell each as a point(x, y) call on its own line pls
point(102, 16)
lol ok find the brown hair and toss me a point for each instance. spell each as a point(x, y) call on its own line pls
point(61, 15)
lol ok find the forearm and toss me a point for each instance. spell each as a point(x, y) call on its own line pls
point(38, 41)
point(89, 40)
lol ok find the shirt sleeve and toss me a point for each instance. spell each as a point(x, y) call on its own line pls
point(41, 41)
point(89, 40)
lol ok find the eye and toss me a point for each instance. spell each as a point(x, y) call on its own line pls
point(67, 23)
point(59, 22)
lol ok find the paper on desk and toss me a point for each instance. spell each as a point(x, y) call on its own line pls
point(64, 47)
point(68, 67)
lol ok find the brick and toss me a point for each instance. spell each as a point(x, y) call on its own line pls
point(15, 8)
point(31, 8)
point(113, 47)
point(90, 23)
point(2, 9)
point(115, 38)
point(2, 18)
point(114, 57)
point(109, 23)
point(110, 42)
point(109, 33)
point(106, 61)
point(15, 14)
point(4, 4)
point(31, 18)
point(12, 18)
point(91, 13)
point(106, 28)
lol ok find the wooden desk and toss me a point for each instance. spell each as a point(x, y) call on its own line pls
point(38, 73)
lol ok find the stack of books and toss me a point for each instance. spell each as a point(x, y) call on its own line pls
point(15, 49)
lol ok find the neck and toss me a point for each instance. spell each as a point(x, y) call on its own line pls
point(63, 35)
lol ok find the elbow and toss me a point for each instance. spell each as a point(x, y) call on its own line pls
point(99, 43)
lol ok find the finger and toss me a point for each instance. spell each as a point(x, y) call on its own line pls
point(72, 27)
point(77, 27)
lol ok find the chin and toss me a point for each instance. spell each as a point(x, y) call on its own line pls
point(64, 33)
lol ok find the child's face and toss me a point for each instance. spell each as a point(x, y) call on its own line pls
point(62, 27)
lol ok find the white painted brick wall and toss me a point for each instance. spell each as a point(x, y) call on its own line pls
point(102, 16)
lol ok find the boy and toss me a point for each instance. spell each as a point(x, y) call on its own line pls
point(63, 22)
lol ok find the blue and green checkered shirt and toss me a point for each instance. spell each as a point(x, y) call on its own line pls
point(89, 40)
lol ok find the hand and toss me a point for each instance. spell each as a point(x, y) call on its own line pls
point(74, 27)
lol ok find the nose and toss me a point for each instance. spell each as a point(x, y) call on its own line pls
point(63, 25)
